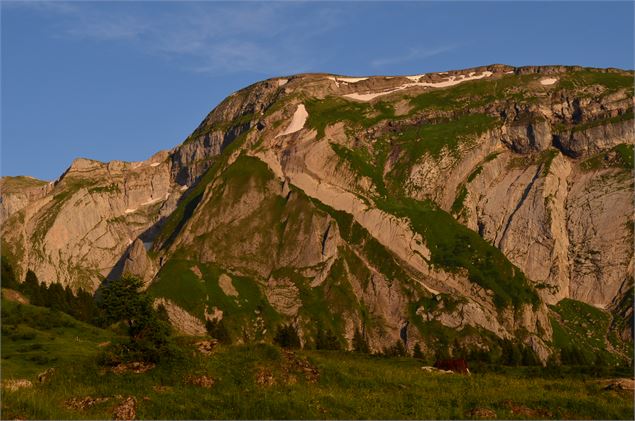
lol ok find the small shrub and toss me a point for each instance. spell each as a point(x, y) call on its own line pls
point(217, 330)
point(326, 339)
point(359, 343)
point(397, 350)
point(287, 336)
point(416, 352)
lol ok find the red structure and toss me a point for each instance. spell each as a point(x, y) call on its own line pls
point(458, 365)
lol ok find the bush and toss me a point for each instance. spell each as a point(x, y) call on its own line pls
point(7, 276)
point(572, 355)
point(397, 350)
point(359, 343)
point(217, 330)
point(417, 353)
point(326, 339)
point(287, 337)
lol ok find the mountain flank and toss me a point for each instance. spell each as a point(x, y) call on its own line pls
point(452, 210)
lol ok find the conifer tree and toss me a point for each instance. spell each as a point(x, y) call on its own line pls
point(359, 342)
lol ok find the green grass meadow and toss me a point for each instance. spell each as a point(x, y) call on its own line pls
point(347, 386)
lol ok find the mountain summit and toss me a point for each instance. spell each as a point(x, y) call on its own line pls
point(446, 209)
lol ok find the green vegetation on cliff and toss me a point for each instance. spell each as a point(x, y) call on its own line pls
point(582, 335)
point(330, 110)
point(612, 81)
point(620, 156)
point(453, 246)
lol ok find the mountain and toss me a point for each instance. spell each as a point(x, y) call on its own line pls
point(449, 209)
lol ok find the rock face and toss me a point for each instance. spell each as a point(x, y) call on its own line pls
point(138, 263)
point(397, 207)
point(18, 192)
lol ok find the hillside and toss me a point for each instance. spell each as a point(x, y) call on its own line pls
point(262, 381)
point(453, 209)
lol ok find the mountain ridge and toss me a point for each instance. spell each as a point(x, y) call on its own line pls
point(358, 192)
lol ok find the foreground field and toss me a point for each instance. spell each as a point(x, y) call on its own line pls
point(263, 381)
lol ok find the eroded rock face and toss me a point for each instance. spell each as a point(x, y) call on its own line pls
point(78, 232)
point(183, 321)
point(82, 228)
point(307, 207)
point(138, 263)
point(18, 192)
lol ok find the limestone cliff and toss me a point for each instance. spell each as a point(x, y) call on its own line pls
point(398, 206)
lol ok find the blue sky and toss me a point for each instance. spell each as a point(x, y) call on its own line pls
point(123, 80)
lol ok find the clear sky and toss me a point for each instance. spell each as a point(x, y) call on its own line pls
point(123, 80)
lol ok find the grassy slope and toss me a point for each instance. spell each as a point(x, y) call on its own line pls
point(19, 183)
point(34, 338)
point(178, 283)
point(453, 246)
point(620, 156)
point(349, 386)
point(586, 327)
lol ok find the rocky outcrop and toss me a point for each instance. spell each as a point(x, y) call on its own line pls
point(138, 263)
point(593, 140)
point(17, 192)
point(183, 321)
point(302, 199)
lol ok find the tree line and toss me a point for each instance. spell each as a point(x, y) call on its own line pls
point(80, 304)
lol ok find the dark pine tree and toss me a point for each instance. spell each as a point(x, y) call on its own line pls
point(287, 336)
point(7, 276)
point(416, 352)
point(217, 330)
point(359, 343)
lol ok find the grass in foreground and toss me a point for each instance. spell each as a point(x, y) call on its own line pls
point(349, 386)
point(264, 382)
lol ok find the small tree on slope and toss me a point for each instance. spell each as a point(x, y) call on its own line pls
point(121, 300)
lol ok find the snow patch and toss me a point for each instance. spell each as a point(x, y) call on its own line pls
point(415, 78)
point(451, 81)
point(131, 210)
point(337, 79)
point(548, 81)
point(297, 122)
point(351, 79)
point(155, 164)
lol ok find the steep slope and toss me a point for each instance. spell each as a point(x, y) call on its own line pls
point(319, 198)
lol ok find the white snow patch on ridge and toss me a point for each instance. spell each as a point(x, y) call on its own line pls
point(415, 78)
point(548, 81)
point(338, 79)
point(351, 79)
point(452, 80)
point(297, 122)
